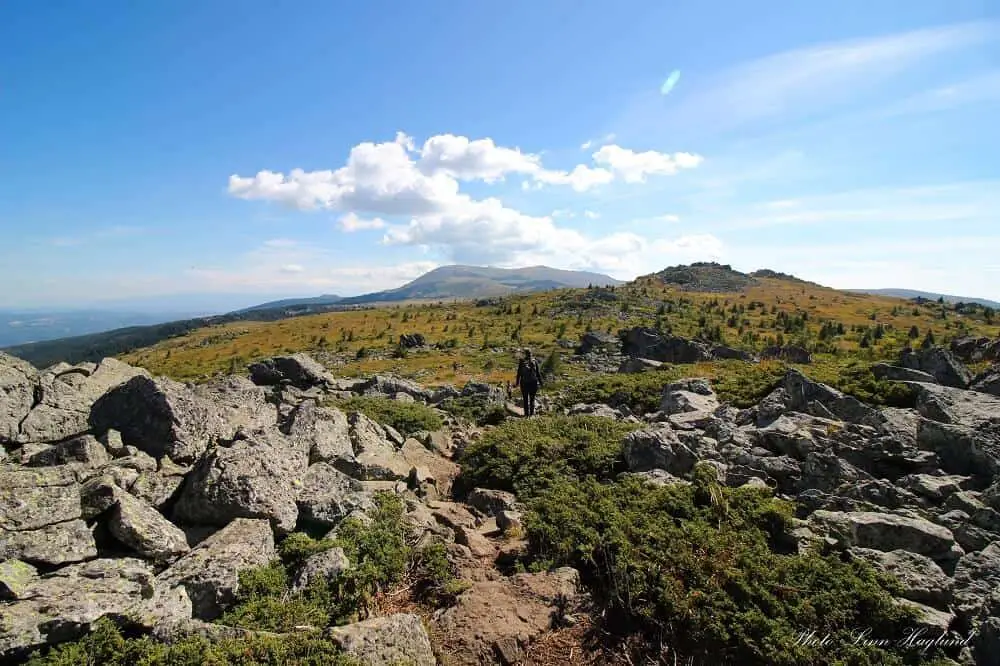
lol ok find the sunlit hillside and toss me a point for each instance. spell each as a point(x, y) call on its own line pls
point(478, 340)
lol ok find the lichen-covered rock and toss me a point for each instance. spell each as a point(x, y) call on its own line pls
point(63, 605)
point(250, 479)
point(145, 530)
point(210, 572)
point(374, 457)
point(324, 432)
point(897, 373)
point(51, 545)
point(938, 362)
point(163, 417)
point(689, 395)
point(67, 399)
point(327, 495)
point(85, 451)
point(31, 498)
point(326, 565)
point(15, 579)
point(386, 640)
point(491, 502)
point(805, 395)
point(238, 402)
point(18, 382)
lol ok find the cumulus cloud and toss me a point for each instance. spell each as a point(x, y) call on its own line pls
point(461, 158)
point(352, 222)
point(634, 167)
point(395, 180)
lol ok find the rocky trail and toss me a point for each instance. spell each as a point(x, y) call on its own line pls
point(140, 499)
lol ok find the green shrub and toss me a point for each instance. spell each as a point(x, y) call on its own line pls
point(476, 410)
point(744, 384)
point(298, 546)
point(857, 379)
point(106, 646)
point(526, 455)
point(406, 417)
point(701, 569)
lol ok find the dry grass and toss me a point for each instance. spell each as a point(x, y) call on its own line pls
point(485, 339)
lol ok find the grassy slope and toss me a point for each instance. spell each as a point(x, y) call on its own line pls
point(485, 348)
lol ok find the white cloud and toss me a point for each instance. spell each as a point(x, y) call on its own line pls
point(460, 158)
point(589, 214)
point(351, 222)
point(280, 242)
point(581, 178)
point(292, 268)
point(634, 167)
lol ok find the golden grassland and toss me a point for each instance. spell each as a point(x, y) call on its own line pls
point(481, 342)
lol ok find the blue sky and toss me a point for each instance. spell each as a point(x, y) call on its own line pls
point(266, 148)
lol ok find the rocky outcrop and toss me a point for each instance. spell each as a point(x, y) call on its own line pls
point(987, 381)
point(18, 388)
point(252, 478)
point(897, 374)
point(66, 397)
point(594, 340)
point(789, 353)
point(397, 638)
point(145, 530)
point(939, 363)
point(412, 340)
point(974, 350)
point(327, 495)
point(210, 572)
point(298, 370)
point(63, 605)
point(323, 432)
point(648, 343)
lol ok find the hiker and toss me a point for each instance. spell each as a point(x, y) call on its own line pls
point(529, 378)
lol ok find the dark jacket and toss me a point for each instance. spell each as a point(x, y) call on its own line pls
point(529, 375)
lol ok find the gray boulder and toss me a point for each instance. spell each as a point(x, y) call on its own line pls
point(64, 605)
point(374, 457)
point(252, 478)
point(976, 576)
point(987, 381)
point(163, 417)
point(633, 365)
point(658, 448)
point(595, 340)
point(810, 397)
point(324, 432)
point(50, 545)
point(145, 530)
point(974, 350)
point(491, 502)
point(938, 362)
point(382, 385)
point(210, 572)
point(649, 343)
point(689, 395)
point(399, 638)
point(238, 403)
point(84, 451)
point(898, 373)
point(327, 495)
point(921, 578)
point(31, 498)
point(299, 370)
point(16, 577)
point(66, 398)
point(888, 532)
point(328, 564)
point(18, 384)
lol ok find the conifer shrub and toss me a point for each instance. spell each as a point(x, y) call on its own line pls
point(406, 417)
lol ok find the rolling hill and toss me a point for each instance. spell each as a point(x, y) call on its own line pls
point(445, 283)
point(449, 282)
point(912, 293)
